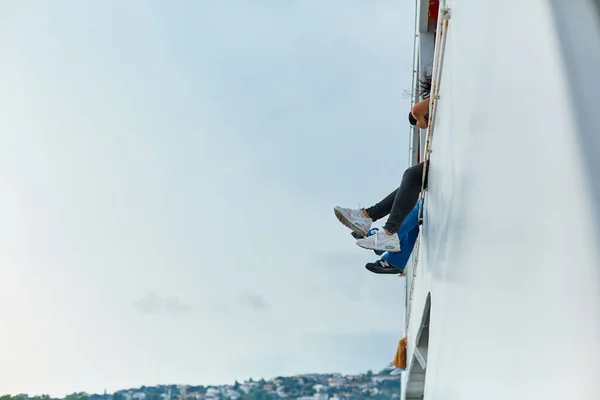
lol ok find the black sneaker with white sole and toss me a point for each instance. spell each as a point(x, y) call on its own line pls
point(382, 267)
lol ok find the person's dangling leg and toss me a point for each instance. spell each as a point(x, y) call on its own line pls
point(399, 260)
point(406, 196)
point(395, 263)
point(411, 221)
point(383, 208)
point(404, 201)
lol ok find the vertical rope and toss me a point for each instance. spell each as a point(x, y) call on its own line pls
point(442, 30)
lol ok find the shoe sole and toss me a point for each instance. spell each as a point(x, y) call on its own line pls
point(346, 222)
point(380, 271)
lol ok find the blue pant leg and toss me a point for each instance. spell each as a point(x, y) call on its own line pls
point(411, 221)
point(407, 244)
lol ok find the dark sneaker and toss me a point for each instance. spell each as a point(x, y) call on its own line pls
point(382, 267)
point(357, 235)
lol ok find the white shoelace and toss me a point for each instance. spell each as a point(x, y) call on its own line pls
point(375, 236)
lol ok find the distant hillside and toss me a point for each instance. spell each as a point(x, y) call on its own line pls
point(300, 387)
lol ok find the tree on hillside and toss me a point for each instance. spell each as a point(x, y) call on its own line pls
point(291, 382)
point(380, 396)
point(256, 394)
point(20, 396)
point(153, 396)
point(77, 396)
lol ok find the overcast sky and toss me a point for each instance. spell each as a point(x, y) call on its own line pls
point(169, 171)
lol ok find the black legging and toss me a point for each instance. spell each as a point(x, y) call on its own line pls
point(402, 200)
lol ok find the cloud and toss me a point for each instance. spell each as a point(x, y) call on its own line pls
point(254, 300)
point(152, 303)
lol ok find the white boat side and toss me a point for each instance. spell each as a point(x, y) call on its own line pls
point(509, 254)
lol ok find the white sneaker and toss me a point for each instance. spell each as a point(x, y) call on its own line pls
point(381, 241)
point(353, 219)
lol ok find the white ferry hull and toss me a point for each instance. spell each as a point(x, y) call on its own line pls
point(509, 248)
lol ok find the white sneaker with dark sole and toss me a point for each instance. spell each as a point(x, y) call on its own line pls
point(354, 219)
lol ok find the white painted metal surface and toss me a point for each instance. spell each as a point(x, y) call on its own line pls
point(510, 244)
